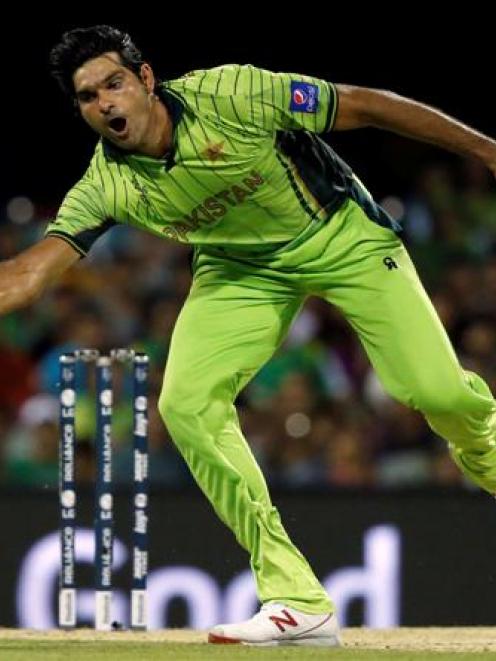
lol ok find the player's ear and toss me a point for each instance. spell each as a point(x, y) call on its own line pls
point(147, 77)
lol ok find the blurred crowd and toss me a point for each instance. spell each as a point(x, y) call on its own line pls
point(315, 416)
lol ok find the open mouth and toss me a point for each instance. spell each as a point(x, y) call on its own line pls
point(118, 124)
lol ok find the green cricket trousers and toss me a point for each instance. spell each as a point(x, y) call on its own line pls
point(238, 312)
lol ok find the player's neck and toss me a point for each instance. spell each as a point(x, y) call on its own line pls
point(159, 136)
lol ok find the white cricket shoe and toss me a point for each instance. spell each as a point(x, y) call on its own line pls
point(277, 624)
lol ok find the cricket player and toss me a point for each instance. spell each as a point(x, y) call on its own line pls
point(229, 160)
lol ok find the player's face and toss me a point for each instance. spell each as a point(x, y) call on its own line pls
point(114, 101)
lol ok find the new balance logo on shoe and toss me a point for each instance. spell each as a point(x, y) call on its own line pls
point(281, 621)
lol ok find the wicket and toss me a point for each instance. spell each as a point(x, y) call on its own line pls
point(103, 522)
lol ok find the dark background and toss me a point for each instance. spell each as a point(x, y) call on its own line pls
point(445, 61)
point(448, 545)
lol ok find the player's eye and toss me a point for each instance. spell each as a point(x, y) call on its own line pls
point(85, 97)
point(114, 84)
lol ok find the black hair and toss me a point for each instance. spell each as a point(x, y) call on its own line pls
point(82, 44)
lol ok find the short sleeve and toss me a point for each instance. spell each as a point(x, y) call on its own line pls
point(82, 218)
point(257, 100)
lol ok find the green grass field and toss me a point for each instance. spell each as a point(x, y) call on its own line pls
point(455, 644)
point(79, 651)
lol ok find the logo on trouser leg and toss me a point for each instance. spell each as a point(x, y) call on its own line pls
point(390, 263)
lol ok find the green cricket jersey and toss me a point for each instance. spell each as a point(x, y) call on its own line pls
point(245, 171)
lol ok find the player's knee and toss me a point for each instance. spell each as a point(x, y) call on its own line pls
point(171, 407)
point(182, 410)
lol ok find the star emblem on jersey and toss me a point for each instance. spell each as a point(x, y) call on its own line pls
point(214, 151)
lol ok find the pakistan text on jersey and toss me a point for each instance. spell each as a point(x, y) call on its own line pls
point(214, 207)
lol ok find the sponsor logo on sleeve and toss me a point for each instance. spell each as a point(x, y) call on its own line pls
point(304, 97)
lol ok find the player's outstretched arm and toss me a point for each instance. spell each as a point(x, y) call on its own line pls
point(24, 277)
point(360, 106)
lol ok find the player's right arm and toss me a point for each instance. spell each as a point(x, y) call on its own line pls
point(24, 277)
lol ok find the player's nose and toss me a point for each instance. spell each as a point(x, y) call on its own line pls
point(105, 104)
